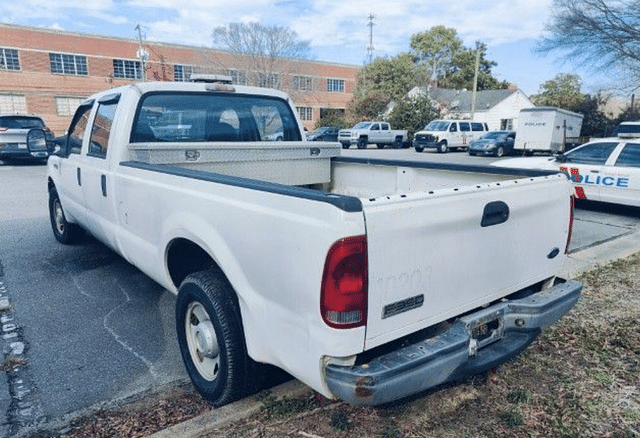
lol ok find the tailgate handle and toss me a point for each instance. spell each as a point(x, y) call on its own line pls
point(495, 213)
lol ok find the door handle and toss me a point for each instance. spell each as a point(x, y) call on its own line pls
point(103, 183)
point(594, 171)
point(79, 176)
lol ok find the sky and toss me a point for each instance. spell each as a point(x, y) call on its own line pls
point(337, 31)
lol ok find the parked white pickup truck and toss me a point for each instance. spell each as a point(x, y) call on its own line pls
point(379, 133)
point(368, 280)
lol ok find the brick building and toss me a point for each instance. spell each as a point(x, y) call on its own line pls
point(49, 72)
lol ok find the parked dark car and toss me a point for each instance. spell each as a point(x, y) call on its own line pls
point(325, 133)
point(14, 129)
point(495, 143)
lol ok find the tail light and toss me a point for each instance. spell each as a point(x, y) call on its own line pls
point(571, 202)
point(343, 299)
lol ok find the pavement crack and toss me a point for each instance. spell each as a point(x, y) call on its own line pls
point(118, 338)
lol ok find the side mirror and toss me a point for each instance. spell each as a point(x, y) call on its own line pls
point(561, 158)
point(37, 143)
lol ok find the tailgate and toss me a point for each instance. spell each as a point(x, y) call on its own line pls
point(431, 257)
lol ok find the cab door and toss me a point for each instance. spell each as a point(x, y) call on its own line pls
point(586, 166)
point(97, 187)
point(70, 168)
point(620, 182)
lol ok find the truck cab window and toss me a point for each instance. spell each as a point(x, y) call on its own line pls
point(77, 129)
point(101, 130)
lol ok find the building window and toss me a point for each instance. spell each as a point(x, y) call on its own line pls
point(239, 77)
point(335, 85)
point(506, 124)
point(182, 73)
point(303, 83)
point(9, 59)
point(127, 69)
point(305, 113)
point(13, 104)
point(270, 80)
point(68, 64)
point(66, 106)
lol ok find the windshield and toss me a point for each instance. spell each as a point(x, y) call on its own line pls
point(494, 135)
point(362, 125)
point(437, 125)
point(21, 122)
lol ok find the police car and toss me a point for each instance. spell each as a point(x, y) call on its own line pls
point(605, 170)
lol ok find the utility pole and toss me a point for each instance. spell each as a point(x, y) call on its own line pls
point(371, 17)
point(475, 81)
point(141, 53)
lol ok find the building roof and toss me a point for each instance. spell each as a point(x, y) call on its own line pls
point(460, 100)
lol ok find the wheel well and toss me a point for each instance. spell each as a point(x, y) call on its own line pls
point(185, 257)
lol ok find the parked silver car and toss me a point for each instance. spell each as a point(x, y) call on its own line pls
point(13, 137)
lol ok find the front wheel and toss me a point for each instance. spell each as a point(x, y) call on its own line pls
point(211, 338)
point(500, 151)
point(442, 147)
point(419, 148)
point(362, 143)
point(64, 232)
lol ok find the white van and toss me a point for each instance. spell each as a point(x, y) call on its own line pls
point(448, 134)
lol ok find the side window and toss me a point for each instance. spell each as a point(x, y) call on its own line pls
point(630, 156)
point(385, 126)
point(375, 127)
point(477, 127)
point(78, 128)
point(453, 127)
point(101, 129)
point(595, 153)
point(465, 127)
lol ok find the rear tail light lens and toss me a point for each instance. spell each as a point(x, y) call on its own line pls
point(343, 301)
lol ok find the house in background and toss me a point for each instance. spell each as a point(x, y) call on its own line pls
point(500, 109)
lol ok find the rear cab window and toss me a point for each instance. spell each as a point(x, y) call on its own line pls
point(202, 117)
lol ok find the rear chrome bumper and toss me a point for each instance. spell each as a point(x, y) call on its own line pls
point(477, 342)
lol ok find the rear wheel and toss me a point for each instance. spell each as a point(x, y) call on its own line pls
point(397, 144)
point(211, 338)
point(419, 148)
point(64, 232)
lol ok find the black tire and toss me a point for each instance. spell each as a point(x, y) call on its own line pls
point(397, 144)
point(64, 232)
point(362, 143)
point(345, 145)
point(380, 145)
point(442, 147)
point(418, 148)
point(211, 338)
point(500, 151)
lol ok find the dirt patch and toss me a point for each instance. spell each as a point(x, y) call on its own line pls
point(581, 378)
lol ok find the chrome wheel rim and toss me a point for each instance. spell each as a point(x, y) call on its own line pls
point(202, 341)
point(58, 217)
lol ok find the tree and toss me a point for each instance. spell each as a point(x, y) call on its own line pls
point(268, 54)
point(394, 77)
point(367, 106)
point(435, 49)
point(461, 71)
point(563, 92)
point(595, 122)
point(413, 113)
point(602, 34)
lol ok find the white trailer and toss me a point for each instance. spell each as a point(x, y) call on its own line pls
point(546, 129)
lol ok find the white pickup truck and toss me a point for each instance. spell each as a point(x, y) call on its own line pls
point(368, 280)
point(379, 133)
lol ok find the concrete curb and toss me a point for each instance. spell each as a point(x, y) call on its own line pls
point(220, 417)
